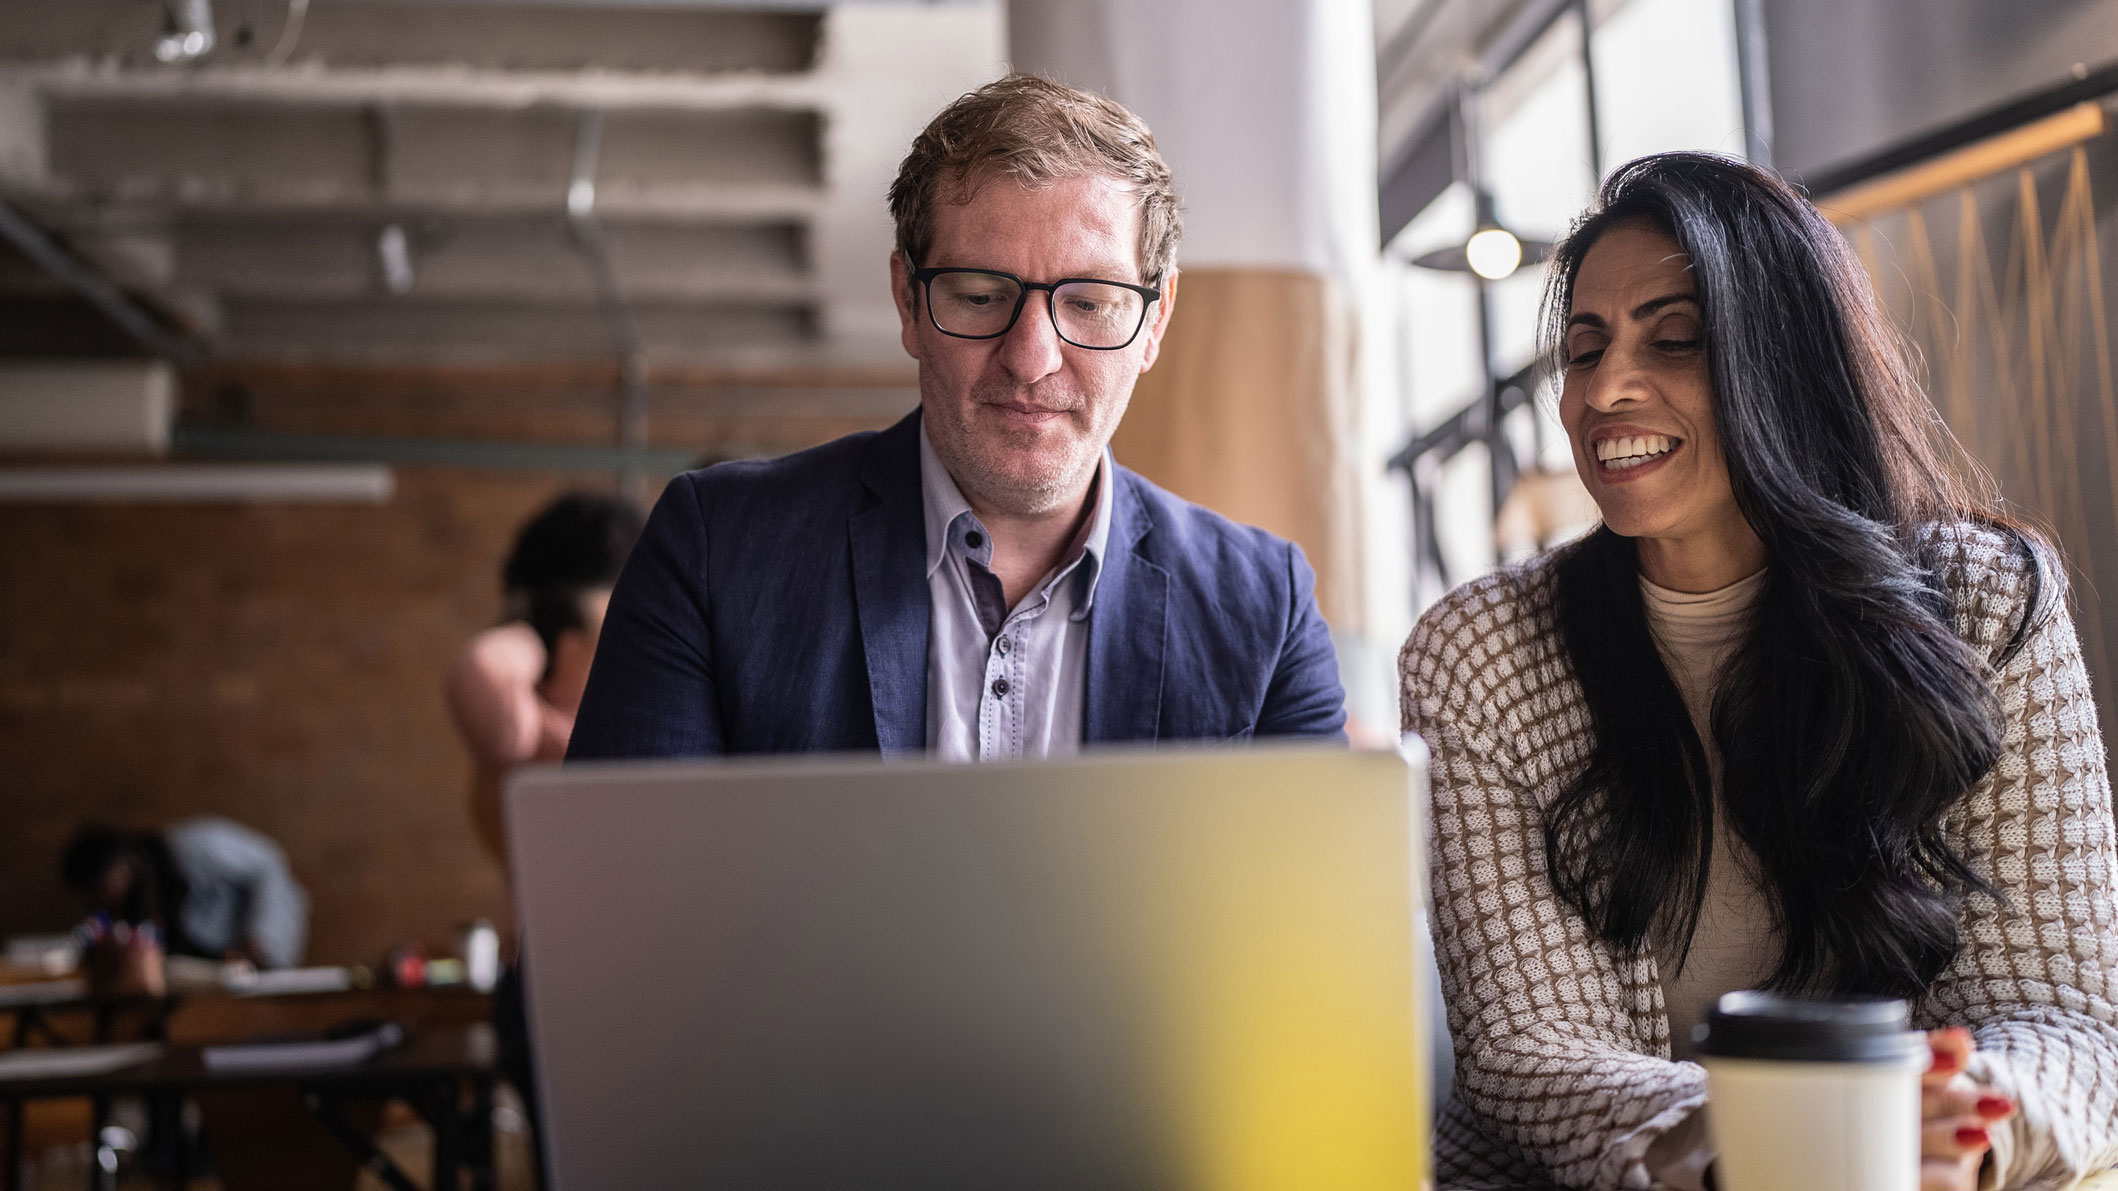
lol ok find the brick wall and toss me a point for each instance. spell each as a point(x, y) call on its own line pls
point(280, 664)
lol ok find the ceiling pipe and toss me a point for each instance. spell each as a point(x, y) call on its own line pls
point(625, 337)
point(35, 244)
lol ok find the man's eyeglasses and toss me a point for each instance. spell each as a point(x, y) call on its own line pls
point(984, 304)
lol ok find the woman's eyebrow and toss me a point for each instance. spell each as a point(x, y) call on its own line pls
point(1648, 307)
point(1643, 310)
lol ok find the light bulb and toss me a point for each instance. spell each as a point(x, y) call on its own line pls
point(187, 31)
point(394, 249)
point(1493, 253)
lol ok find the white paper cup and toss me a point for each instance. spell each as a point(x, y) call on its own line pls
point(1816, 1095)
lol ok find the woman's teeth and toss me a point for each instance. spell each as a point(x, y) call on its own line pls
point(1618, 454)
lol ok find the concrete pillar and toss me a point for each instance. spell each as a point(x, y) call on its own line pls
point(1265, 111)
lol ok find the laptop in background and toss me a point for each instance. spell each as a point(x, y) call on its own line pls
point(1169, 969)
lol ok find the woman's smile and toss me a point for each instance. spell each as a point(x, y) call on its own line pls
point(1624, 457)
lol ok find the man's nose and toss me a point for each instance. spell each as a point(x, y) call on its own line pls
point(1032, 349)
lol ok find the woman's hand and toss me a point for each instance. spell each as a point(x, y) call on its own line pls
point(1955, 1113)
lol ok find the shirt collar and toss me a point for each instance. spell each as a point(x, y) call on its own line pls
point(944, 506)
point(943, 501)
point(1096, 538)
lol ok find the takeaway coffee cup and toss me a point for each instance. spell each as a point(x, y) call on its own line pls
point(1816, 1095)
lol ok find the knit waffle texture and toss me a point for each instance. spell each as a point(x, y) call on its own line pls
point(1563, 1068)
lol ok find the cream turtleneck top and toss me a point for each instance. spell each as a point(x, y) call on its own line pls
point(1733, 946)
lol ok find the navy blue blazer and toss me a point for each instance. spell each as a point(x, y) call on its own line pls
point(780, 606)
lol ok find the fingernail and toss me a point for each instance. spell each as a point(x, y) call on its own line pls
point(1946, 1061)
point(1973, 1138)
point(1995, 1106)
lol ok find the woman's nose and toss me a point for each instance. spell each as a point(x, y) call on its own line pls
point(1617, 381)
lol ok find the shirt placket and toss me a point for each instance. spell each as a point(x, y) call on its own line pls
point(1004, 726)
point(999, 718)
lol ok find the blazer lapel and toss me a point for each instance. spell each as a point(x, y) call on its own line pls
point(1125, 637)
point(888, 537)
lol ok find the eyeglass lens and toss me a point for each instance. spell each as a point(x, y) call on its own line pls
point(1088, 314)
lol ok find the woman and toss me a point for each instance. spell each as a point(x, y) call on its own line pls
point(1804, 713)
point(514, 689)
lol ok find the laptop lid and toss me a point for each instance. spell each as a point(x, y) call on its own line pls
point(1180, 969)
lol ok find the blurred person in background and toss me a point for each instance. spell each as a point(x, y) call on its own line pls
point(514, 689)
point(1805, 713)
point(206, 886)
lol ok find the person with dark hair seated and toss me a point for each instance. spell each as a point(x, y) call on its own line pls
point(514, 690)
point(206, 886)
point(1806, 713)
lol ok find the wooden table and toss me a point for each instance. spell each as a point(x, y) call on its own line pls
point(60, 1011)
point(431, 1071)
point(271, 1125)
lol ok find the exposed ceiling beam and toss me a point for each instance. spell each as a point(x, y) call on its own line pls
point(619, 201)
point(266, 210)
point(440, 86)
point(32, 242)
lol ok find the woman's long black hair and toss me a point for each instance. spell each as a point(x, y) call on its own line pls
point(1852, 717)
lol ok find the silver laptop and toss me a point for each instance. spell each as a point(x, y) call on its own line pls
point(1169, 969)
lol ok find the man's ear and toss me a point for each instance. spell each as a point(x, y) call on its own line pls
point(901, 284)
point(1159, 324)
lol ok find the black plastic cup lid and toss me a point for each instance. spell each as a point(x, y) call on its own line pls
point(1759, 1025)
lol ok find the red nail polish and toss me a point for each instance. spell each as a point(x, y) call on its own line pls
point(1945, 1061)
point(1995, 1106)
point(1972, 1138)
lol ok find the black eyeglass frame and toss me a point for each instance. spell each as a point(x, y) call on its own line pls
point(1151, 293)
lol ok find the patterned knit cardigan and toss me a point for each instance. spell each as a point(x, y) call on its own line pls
point(1563, 1072)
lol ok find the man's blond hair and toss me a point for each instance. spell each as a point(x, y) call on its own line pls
point(1035, 131)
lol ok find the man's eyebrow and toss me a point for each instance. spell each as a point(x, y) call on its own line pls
point(1111, 271)
point(1641, 311)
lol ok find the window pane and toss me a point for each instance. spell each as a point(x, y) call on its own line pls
point(1666, 79)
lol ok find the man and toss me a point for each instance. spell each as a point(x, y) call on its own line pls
point(210, 886)
point(980, 580)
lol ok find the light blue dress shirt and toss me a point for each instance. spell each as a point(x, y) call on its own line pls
point(240, 891)
point(1004, 683)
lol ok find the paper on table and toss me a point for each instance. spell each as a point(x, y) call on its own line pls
point(191, 974)
point(52, 955)
point(188, 974)
point(41, 992)
point(60, 1061)
point(283, 981)
point(317, 1052)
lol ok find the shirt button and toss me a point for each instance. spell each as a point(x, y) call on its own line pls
point(1003, 645)
point(974, 539)
point(1000, 688)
